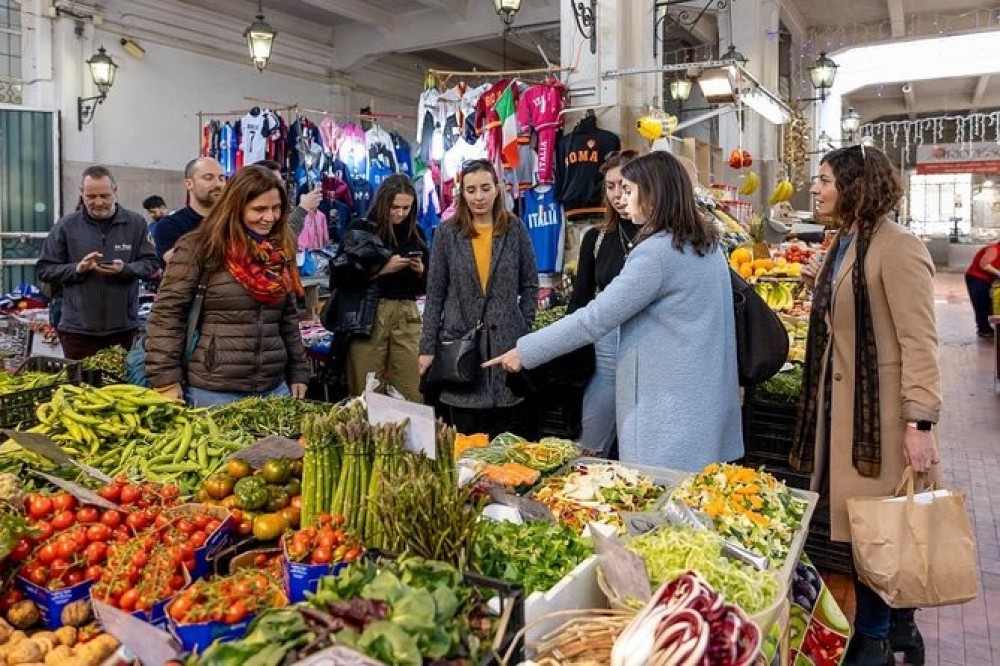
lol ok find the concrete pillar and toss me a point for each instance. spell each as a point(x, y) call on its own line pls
point(625, 41)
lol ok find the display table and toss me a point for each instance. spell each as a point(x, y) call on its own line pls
point(995, 323)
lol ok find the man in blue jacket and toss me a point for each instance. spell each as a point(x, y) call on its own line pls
point(98, 254)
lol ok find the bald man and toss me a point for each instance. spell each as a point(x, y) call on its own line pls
point(203, 179)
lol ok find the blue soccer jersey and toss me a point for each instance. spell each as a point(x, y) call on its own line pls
point(543, 216)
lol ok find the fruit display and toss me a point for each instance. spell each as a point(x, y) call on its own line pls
point(324, 544)
point(798, 333)
point(227, 599)
point(779, 296)
point(743, 262)
point(750, 184)
point(783, 191)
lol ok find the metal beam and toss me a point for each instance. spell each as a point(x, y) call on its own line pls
point(356, 10)
point(897, 18)
point(456, 8)
point(977, 95)
point(910, 98)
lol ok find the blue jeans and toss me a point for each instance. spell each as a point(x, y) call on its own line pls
point(872, 616)
point(979, 296)
point(598, 422)
point(197, 397)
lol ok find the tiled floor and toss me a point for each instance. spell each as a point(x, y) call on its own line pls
point(969, 437)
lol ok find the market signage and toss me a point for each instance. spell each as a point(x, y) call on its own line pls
point(973, 157)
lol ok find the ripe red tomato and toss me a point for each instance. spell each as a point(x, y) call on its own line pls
point(66, 548)
point(39, 506)
point(130, 494)
point(184, 526)
point(111, 518)
point(47, 553)
point(136, 521)
point(39, 575)
point(198, 539)
point(212, 526)
point(111, 492)
point(128, 599)
point(45, 530)
point(201, 520)
point(58, 567)
point(63, 502)
point(176, 582)
point(98, 532)
point(88, 514)
point(96, 552)
point(94, 572)
point(321, 555)
point(22, 549)
point(140, 559)
point(74, 576)
point(180, 607)
point(63, 520)
point(9, 599)
point(235, 612)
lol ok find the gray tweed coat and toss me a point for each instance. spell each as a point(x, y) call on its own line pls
point(455, 300)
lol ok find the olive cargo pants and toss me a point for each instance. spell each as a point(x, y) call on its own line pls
point(391, 351)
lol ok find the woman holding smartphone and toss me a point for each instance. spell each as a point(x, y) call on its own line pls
point(391, 351)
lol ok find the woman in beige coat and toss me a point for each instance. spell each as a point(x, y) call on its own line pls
point(871, 388)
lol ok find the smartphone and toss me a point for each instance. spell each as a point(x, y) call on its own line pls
point(107, 264)
point(414, 254)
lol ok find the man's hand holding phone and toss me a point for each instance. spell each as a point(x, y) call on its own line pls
point(89, 262)
point(111, 267)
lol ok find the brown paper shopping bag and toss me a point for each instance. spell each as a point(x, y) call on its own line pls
point(914, 551)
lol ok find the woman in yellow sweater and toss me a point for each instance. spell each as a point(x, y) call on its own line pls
point(482, 254)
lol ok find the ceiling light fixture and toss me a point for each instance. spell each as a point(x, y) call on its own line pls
point(507, 9)
point(260, 38)
point(102, 71)
point(132, 48)
point(680, 89)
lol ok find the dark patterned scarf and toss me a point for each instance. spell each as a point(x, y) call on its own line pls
point(866, 450)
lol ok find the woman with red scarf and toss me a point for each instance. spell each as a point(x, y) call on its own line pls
point(247, 344)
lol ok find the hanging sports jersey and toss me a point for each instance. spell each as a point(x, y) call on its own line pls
point(542, 215)
point(362, 191)
point(227, 149)
point(353, 152)
point(401, 147)
point(253, 141)
point(459, 154)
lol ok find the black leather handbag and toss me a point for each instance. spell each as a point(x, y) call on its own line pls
point(761, 339)
point(457, 361)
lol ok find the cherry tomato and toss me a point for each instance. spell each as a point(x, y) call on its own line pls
point(111, 518)
point(58, 567)
point(180, 607)
point(198, 539)
point(187, 550)
point(66, 548)
point(211, 526)
point(201, 520)
point(176, 582)
point(39, 506)
point(47, 553)
point(9, 599)
point(160, 521)
point(98, 532)
point(63, 502)
point(321, 555)
point(88, 514)
point(128, 599)
point(246, 526)
point(129, 494)
point(111, 492)
point(235, 612)
point(260, 561)
point(184, 526)
point(95, 553)
point(63, 520)
point(74, 576)
point(45, 530)
point(326, 540)
point(140, 559)
point(170, 493)
point(136, 521)
point(39, 575)
point(93, 572)
point(22, 549)
point(189, 564)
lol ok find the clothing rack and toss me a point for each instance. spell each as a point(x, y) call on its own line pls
point(233, 114)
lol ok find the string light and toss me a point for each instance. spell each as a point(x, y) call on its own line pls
point(971, 128)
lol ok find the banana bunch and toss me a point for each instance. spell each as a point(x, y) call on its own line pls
point(777, 295)
point(783, 191)
point(84, 419)
point(751, 181)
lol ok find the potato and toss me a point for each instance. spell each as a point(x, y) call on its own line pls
point(24, 614)
point(94, 652)
point(76, 614)
point(67, 636)
point(16, 638)
point(46, 641)
point(59, 656)
point(5, 631)
point(23, 653)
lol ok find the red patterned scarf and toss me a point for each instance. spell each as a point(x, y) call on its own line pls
point(264, 271)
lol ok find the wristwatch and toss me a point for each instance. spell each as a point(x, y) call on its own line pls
point(924, 426)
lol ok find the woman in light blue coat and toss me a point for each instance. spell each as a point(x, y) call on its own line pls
point(677, 393)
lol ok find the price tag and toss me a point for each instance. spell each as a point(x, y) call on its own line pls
point(420, 433)
point(268, 448)
point(150, 645)
point(624, 571)
point(79, 492)
point(43, 446)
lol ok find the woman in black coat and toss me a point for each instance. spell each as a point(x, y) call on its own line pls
point(483, 248)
